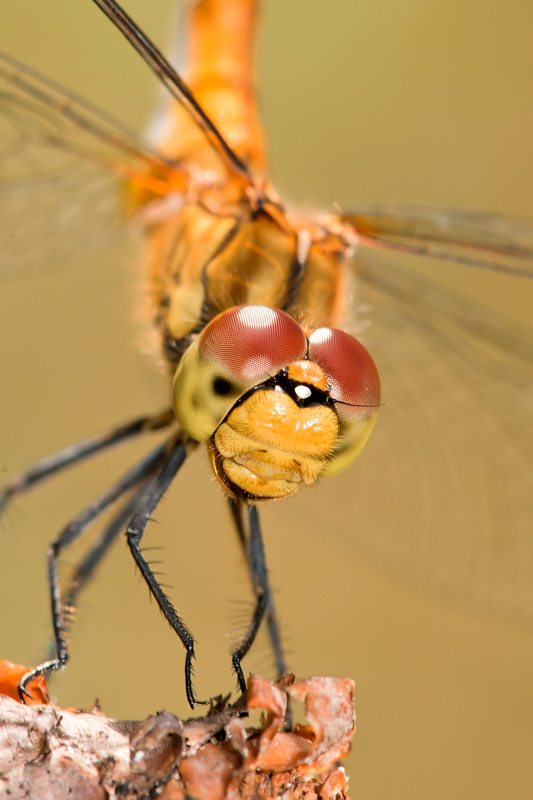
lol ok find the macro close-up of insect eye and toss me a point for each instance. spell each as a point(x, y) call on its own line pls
point(266, 343)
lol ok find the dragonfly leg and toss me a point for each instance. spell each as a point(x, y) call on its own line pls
point(135, 531)
point(75, 453)
point(271, 615)
point(258, 574)
point(88, 565)
point(75, 528)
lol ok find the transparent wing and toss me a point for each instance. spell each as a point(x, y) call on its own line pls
point(476, 239)
point(64, 165)
point(444, 491)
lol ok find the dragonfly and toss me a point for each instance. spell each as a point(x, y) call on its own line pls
point(262, 315)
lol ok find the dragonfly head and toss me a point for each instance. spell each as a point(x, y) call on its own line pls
point(279, 408)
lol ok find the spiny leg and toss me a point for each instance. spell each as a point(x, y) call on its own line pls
point(75, 453)
point(136, 528)
point(271, 616)
point(90, 562)
point(258, 574)
point(70, 533)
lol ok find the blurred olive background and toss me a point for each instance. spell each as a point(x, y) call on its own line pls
point(411, 101)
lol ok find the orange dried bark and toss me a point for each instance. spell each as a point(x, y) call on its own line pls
point(53, 753)
point(10, 675)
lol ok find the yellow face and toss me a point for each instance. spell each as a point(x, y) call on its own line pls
point(278, 407)
point(269, 444)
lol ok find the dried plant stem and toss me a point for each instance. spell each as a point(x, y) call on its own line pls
point(54, 754)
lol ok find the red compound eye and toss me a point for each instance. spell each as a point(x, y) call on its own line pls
point(351, 372)
point(250, 342)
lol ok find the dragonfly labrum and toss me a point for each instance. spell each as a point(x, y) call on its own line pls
point(252, 300)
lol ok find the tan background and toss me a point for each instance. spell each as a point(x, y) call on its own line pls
point(394, 100)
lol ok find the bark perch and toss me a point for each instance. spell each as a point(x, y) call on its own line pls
point(49, 753)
